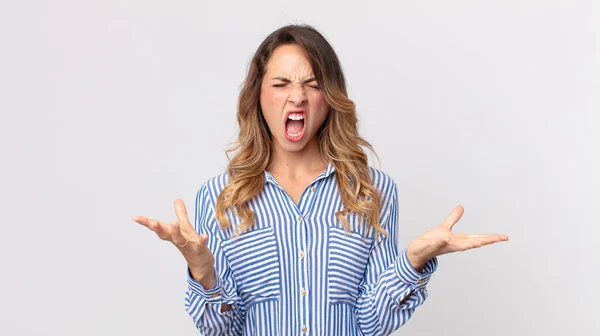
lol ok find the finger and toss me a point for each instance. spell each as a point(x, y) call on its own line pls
point(460, 235)
point(177, 237)
point(491, 237)
point(477, 236)
point(142, 220)
point(453, 217)
point(161, 229)
point(464, 245)
point(151, 224)
point(470, 243)
point(489, 240)
point(182, 216)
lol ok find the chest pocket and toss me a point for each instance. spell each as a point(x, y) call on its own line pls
point(254, 261)
point(347, 261)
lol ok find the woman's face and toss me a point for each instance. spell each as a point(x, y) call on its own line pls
point(291, 101)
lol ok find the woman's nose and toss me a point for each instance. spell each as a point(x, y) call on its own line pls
point(297, 95)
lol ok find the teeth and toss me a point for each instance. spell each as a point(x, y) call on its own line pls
point(293, 135)
point(296, 116)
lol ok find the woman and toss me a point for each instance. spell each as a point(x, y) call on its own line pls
point(298, 237)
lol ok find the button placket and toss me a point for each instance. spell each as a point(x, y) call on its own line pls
point(303, 229)
point(307, 199)
point(302, 294)
point(304, 208)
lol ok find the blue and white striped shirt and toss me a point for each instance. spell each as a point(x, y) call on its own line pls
point(297, 272)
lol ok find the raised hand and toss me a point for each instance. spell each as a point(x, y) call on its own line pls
point(441, 240)
point(192, 245)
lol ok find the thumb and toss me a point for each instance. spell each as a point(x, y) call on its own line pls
point(453, 217)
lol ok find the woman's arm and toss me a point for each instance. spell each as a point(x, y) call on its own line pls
point(216, 310)
point(394, 284)
point(391, 289)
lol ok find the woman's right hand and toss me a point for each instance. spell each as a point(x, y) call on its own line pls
point(198, 256)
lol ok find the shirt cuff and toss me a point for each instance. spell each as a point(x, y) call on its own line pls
point(212, 295)
point(408, 275)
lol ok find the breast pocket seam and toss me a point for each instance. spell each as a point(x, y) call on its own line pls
point(347, 260)
point(254, 260)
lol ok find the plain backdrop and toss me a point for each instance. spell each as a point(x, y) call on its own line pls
point(112, 109)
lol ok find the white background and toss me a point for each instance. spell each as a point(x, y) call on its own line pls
point(111, 109)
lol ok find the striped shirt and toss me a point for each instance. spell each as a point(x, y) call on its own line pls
point(297, 272)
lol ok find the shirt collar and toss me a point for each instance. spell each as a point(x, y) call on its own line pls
point(328, 171)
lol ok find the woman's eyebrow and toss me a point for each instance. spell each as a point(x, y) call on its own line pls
point(283, 79)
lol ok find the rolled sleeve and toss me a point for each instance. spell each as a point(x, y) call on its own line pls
point(408, 275)
point(392, 288)
point(212, 295)
point(408, 282)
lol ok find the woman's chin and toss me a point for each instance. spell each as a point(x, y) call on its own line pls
point(293, 146)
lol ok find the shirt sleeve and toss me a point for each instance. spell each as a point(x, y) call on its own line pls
point(389, 279)
point(204, 305)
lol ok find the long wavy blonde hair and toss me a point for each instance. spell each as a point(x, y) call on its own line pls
point(338, 138)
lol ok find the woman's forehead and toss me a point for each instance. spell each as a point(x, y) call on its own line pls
point(289, 73)
point(289, 62)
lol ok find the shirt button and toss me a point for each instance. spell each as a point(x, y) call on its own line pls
point(215, 295)
point(313, 189)
point(301, 254)
point(421, 282)
point(303, 292)
point(299, 218)
point(304, 329)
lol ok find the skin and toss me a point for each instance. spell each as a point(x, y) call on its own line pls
point(286, 86)
point(289, 84)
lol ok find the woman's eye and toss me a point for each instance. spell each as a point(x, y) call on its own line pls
point(282, 85)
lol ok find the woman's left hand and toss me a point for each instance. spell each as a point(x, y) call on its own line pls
point(441, 240)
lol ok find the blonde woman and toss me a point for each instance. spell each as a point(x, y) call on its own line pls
point(298, 237)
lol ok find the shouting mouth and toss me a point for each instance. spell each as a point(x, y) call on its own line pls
point(295, 125)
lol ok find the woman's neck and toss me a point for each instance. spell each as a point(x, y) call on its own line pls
point(294, 164)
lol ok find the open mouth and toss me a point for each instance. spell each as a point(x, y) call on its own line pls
point(294, 125)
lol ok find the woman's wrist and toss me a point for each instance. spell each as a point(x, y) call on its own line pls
point(417, 263)
point(206, 278)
